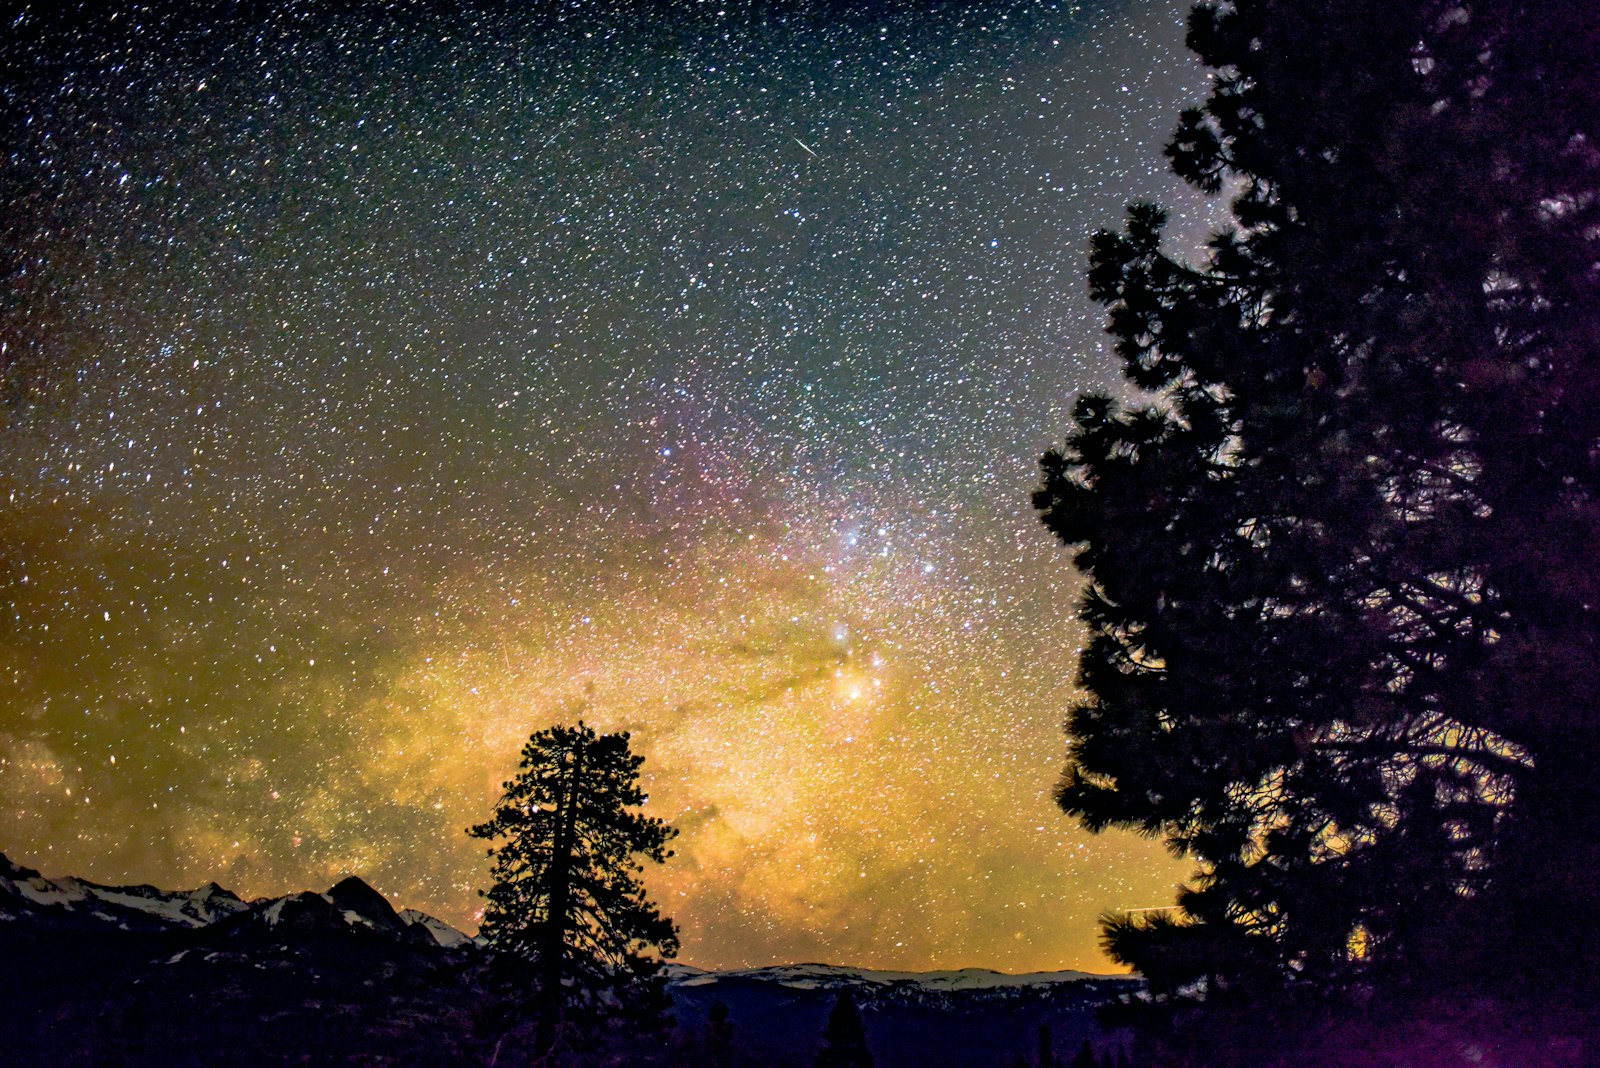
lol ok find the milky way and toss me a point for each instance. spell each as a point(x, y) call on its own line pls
point(388, 384)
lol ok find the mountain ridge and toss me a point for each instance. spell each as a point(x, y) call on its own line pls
point(202, 977)
point(25, 894)
point(366, 905)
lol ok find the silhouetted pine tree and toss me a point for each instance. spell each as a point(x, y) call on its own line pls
point(566, 897)
point(845, 1037)
point(719, 1036)
point(1344, 562)
point(1046, 1057)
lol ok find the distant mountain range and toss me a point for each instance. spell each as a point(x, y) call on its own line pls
point(135, 975)
point(70, 903)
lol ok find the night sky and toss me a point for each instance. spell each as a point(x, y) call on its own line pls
point(386, 384)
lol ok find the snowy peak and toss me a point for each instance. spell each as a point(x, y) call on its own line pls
point(353, 904)
point(209, 903)
point(69, 901)
point(442, 933)
point(305, 911)
point(363, 904)
point(349, 905)
point(211, 899)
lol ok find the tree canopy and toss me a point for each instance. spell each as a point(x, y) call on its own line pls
point(1343, 552)
point(566, 896)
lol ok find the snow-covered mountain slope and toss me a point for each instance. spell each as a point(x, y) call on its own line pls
point(24, 893)
point(353, 905)
point(834, 977)
point(441, 932)
point(27, 896)
point(965, 1017)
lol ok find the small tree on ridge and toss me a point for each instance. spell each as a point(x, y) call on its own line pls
point(845, 1037)
point(566, 896)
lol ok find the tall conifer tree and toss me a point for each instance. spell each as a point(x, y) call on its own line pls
point(719, 1036)
point(844, 1040)
point(566, 896)
point(1343, 562)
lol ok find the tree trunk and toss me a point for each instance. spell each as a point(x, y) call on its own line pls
point(552, 937)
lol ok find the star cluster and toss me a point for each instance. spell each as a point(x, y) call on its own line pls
point(386, 383)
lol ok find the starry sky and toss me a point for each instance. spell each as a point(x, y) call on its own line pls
point(385, 382)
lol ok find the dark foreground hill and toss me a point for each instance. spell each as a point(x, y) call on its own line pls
point(134, 975)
